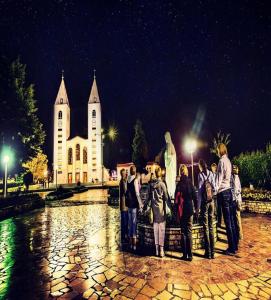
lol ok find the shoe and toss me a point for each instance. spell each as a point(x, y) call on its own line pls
point(212, 256)
point(189, 258)
point(230, 253)
point(134, 247)
point(184, 257)
point(207, 255)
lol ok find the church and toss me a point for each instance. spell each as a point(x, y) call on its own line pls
point(77, 159)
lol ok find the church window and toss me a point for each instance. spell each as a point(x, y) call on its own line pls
point(85, 155)
point(59, 129)
point(77, 151)
point(70, 156)
point(93, 128)
point(60, 136)
point(60, 115)
point(60, 142)
point(94, 113)
point(61, 100)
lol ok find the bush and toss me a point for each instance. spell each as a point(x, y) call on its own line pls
point(255, 167)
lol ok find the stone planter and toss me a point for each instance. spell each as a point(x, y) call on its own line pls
point(173, 236)
point(256, 206)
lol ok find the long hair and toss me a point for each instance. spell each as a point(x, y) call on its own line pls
point(203, 165)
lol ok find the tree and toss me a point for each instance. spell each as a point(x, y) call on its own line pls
point(140, 147)
point(218, 139)
point(20, 126)
point(37, 166)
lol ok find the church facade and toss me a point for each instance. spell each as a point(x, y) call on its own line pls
point(77, 159)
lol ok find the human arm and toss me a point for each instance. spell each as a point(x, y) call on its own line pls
point(140, 202)
point(219, 175)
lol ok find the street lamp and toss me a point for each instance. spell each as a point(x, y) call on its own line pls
point(191, 146)
point(5, 161)
point(112, 133)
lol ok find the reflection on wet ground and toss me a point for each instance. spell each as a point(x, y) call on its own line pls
point(73, 252)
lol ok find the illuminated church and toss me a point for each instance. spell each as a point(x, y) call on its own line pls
point(77, 159)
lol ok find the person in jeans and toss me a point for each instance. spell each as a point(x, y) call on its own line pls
point(224, 196)
point(237, 197)
point(218, 207)
point(158, 195)
point(133, 202)
point(207, 207)
point(186, 190)
point(123, 207)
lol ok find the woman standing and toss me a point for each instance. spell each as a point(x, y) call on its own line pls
point(206, 202)
point(186, 191)
point(158, 195)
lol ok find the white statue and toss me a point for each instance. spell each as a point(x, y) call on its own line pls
point(171, 165)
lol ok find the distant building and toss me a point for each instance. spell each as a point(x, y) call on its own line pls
point(77, 159)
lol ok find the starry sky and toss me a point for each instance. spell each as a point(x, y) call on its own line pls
point(182, 66)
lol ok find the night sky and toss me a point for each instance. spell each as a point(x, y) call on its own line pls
point(182, 66)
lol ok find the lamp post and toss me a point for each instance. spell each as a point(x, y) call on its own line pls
point(45, 173)
point(5, 160)
point(112, 134)
point(191, 146)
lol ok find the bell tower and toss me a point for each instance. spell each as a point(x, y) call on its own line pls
point(94, 134)
point(61, 133)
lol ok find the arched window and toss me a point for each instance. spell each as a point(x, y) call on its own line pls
point(85, 155)
point(70, 156)
point(60, 115)
point(61, 100)
point(94, 113)
point(77, 152)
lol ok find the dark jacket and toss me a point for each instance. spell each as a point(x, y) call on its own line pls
point(131, 199)
point(122, 192)
point(188, 192)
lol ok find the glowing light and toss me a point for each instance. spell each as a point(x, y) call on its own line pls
point(190, 145)
point(112, 133)
point(6, 159)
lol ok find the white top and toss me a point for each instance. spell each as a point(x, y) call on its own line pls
point(223, 175)
point(201, 179)
point(236, 189)
point(136, 183)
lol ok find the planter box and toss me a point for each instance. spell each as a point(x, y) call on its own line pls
point(20, 204)
point(173, 236)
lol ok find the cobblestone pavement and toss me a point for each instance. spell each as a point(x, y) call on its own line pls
point(73, 252)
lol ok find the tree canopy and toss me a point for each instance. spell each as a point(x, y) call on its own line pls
point(140, 147)
point(20, 127)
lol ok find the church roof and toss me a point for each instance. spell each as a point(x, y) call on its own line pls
point(62, 97)
point(94, 95)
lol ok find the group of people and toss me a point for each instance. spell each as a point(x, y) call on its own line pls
point(218, 194)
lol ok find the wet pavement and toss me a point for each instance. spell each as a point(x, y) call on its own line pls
point(73, 252)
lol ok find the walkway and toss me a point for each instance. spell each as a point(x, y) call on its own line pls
point(73, 252)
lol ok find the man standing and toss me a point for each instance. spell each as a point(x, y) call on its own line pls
point(218, 207)
point(224, 196)
point(134, 202)
point(123, 207)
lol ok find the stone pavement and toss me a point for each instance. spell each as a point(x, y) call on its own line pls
point(73, 252)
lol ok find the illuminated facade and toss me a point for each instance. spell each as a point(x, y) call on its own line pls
point(77, 159)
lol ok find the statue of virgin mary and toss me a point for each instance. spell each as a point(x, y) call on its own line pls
point(170, 164)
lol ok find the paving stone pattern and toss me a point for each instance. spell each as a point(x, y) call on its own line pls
point(73, 252)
